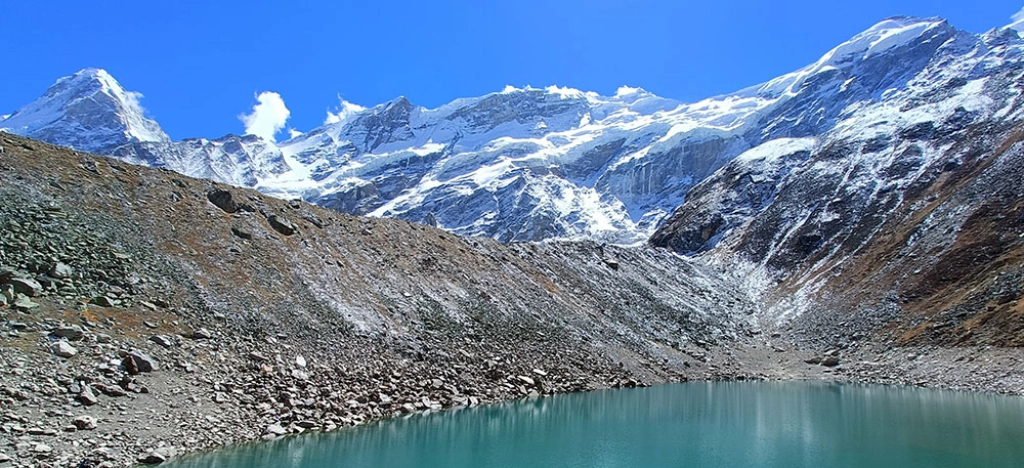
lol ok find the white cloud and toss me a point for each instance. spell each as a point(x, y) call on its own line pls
point(268, 116)
point(345, 110)
point(1018, 21)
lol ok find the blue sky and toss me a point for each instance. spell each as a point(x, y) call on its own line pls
point(201, 63)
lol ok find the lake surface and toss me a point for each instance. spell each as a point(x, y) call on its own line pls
point(727, 424)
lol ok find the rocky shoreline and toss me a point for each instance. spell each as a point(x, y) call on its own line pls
point(136, 396)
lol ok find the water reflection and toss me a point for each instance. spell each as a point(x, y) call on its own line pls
point(684, 425)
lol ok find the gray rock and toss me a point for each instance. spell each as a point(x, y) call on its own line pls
point(611, 262)
point(162, 340)
point(830, 361)
point(201, 334)
point(220, 397)
point(87, 397)
point(22, 302)
point(85, 423)
point(111, 390)
point(63, 349)
point(153, 458)
point(300, 361)
point(222, 199)
point(102, 301)
point(526, 380)
point(6, 273)
point(61, 270)
point(38, 431)
point(282, 224)
point(42, 448)
point(137, 362)
point(241, 234)
point(104, 338)
point(276, 429)
point(26, 286)
point(69, 332)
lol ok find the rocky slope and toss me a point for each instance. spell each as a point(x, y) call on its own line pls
point(148, 314)
point(531, 164)
point(143, 308)
point(903, 223)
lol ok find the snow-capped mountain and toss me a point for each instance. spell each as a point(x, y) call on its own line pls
point(911, 199)
point(533, 164)
point(88, 111)
point(237, 160)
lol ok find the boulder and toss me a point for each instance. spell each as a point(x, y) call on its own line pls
point(7, 273)
point(222, 199)
point(68, 332)
point(241, 234)
point(152, 458)
point(85, 423)
point(102, 301)
point(276, 429)
point(137, 362)
point(61, 270)
point(162, 340)
point(63, 349)
point(611, 263)
point(22, 302)
point(201, 334)
point(282, 224)
point(26, 286)
point(830, 361)
point(87, 397)
point(111, 390)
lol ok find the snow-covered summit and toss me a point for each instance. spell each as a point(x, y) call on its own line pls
point(89, 111)
point(554, 162)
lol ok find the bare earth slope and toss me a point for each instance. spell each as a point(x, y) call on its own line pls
point(146, 314)
point(259, 312)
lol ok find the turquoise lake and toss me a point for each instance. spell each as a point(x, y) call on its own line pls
point(727, 424)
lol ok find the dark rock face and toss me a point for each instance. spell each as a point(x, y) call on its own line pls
point(282, 225)
point(223, 200)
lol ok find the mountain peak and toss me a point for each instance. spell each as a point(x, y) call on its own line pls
point(88, 110)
